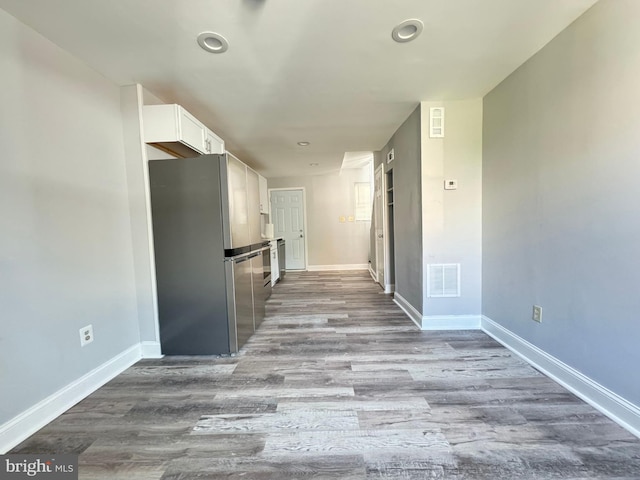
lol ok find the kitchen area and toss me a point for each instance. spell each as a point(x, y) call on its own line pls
point(216, 259)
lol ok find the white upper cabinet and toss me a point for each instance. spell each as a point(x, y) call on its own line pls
point(212, 142)
point(172, 129)
point(264, 195)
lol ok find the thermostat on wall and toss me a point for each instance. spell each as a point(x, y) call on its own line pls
point(450, 184)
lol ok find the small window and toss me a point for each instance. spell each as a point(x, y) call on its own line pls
point(363, 202)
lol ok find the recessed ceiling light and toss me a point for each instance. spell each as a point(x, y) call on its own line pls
point(213, 42)
point(304, 144)
point(314, 164)
point(407, 30)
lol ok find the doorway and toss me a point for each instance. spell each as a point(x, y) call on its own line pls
point(379, 210)
point(383, 218)
point(389, 247)
point(288, 218)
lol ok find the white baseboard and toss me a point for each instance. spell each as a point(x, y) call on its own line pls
point(373, 274)
point(451, 322)
point(620, 410)
point(150, 350)
point(34, 418)
point(388, 288)
point(350, 266)
point(409, 309)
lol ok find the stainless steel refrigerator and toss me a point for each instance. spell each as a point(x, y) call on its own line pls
point(208, 253)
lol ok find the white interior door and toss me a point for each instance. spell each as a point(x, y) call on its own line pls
point(379, 206)
point(287, 216)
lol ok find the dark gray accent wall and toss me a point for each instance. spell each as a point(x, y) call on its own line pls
point(561, 229)
point(407, 227)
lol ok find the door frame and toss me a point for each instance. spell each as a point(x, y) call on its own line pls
point(379, 205)
point(388, 232)
point(306, 227)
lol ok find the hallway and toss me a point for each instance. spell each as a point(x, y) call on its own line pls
point(339, 383)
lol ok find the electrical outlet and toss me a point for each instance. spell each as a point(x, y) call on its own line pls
point(86, 335)
point(537, 314)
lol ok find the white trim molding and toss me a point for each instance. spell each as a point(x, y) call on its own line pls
point(407, 308)
point(373, 274)
point(618, 409)
point(389, 288)
point(327, 268)
point(34, 418)
point(150, 350)
point(451, 322)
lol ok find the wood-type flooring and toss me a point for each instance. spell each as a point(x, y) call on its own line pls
point(338, 383)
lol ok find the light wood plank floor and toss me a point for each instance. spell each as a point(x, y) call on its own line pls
point(338, 383)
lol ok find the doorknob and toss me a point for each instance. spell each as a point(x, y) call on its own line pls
point(379, 235)
point(301, 235)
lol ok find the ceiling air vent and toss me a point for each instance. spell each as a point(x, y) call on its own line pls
point(443, 280)
point(436, 122)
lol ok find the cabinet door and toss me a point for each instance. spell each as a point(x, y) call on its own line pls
point(213, 143)
point(191, 131)
point(264, 195)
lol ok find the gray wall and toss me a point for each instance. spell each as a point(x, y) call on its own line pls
point(65, 246)
point(452, 219)
point(561, 215)
point(329, 197)
point(407, 208)
point(138, 181)
point(132, 99)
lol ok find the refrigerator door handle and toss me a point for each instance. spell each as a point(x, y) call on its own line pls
point(239, 258)
point(231, 306)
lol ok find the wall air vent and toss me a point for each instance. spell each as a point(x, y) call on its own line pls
point(443, 280)
point(436, 122)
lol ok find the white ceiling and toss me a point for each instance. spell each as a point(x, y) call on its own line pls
point(323, 71)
